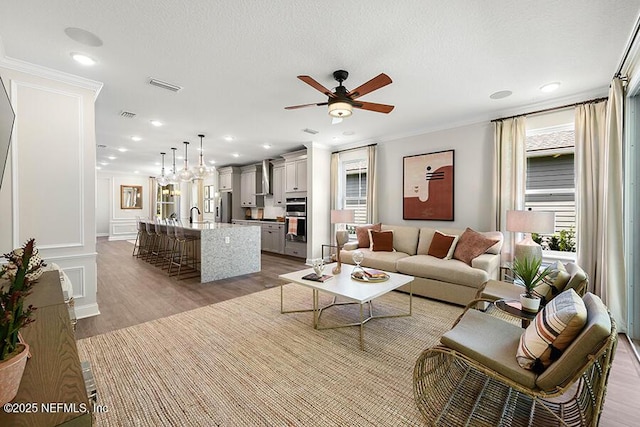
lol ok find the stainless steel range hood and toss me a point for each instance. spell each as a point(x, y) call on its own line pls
point(267, 176)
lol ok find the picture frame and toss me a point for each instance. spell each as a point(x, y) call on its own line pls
point(428, 186)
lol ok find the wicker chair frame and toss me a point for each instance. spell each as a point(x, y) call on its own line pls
point(451, 389)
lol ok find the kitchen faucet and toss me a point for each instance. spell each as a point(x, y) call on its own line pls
point(191, 214)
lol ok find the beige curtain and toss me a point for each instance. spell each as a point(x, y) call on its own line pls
point(372, 185)
point(509, 175)
point(599, 202)
point(334, 182)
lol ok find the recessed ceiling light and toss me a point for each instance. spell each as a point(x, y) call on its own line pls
point(136, 171)
point(104, 163)
point(213, 162)
point(180, 157)
point(98, 167)
point(136, 138)
point(157, 163)
point(550, 87)
point(348, 133)
point(500, 94)
point(228, 138)
point(156, 123)
point(83, 59)
point(236, 155)
point(122, 149)
point(111, 157)
point(267, 146)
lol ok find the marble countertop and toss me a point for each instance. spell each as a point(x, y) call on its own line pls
point(264, 220)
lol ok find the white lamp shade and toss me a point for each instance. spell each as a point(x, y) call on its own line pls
point(531, 221)
point(340, 109)
point(342, 216)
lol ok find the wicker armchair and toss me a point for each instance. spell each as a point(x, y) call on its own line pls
point(473, 378)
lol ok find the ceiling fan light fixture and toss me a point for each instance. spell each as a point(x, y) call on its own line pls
point(340, 109)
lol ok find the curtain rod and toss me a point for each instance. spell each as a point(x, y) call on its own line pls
point(354, 148)
point(627, 51)
point(575, 104)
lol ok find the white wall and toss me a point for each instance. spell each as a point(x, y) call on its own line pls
point(103, 206)
point(121, 222)
point(49, 188)
point(473, 176)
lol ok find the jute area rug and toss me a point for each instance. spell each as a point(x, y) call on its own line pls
point(242, 363)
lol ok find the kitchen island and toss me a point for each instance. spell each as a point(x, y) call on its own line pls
point(225, 250)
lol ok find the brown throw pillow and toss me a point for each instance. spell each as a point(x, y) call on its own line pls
point(471, 244)
point(362, 233)
point(440, 245)
point(381, 241)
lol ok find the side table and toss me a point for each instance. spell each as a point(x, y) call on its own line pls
point(512, 308)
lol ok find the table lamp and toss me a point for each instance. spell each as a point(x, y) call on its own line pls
point(341, 216)
point(530, 222)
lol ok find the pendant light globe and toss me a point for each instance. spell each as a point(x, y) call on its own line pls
point(201, 171)
point(162, 180)
point(185, 175)
point(173, 177)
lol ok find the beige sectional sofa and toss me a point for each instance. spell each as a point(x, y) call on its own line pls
point(447, 280)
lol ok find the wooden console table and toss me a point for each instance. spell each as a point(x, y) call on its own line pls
point(53, 378)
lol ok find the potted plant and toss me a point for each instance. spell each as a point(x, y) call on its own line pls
point(527, 272)
point(24, 266)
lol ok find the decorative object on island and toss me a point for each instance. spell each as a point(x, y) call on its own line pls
point(428, 186)
point(185, 174)
point(528, 271)
point(340, 218)
point(162, 180)
point(202, 170)
point(24, 266)
point(530, 222)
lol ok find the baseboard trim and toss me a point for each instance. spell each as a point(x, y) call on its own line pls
point(88, 310)
point(123, 237)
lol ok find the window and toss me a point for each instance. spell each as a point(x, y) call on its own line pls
point(550, 184)
point(352, 185)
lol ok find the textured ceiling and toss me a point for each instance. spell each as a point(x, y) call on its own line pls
point(238, 61)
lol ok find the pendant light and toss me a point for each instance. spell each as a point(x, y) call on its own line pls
point(173, 177)
point(185, 174)
point(162, 180)
point(201, 171)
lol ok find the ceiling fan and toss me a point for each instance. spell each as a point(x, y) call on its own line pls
point(341, 102)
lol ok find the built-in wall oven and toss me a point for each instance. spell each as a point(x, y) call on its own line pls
point(296, 219)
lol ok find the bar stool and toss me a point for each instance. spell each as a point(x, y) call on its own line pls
point(184, 253)
point(160, 243)
point(150, 238)
point(139, 237)
point(169, 239)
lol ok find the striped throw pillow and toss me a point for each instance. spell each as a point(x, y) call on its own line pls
point(552, 331)
point(552, 284)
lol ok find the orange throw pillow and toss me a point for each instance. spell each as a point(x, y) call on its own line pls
point(381, 241)
point(362, 233)
point(440, 245)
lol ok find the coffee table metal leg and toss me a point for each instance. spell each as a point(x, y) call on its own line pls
point(362, 327)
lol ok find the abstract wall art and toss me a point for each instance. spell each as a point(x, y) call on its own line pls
point(428, 186)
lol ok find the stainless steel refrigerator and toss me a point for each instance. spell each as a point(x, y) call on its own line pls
point(223, 207)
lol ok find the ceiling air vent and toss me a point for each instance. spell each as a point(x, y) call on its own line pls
point(311, 131)
point(164, 85)
point(127, 114)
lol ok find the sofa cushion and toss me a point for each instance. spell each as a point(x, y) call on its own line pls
point(490, 341)
point(472, 244)
point(379, 260)
point(381, 241)
point(445, 270)
point(405, 239)
point(578, 280)
point(362, 233)
point(442, 245)
point(552, 331)
point(597, 329)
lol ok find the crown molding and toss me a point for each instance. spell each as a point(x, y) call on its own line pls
point(51, 74)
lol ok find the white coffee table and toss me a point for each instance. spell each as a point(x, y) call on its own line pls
point(342, 285)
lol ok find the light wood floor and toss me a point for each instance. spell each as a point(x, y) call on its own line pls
point(131, 291)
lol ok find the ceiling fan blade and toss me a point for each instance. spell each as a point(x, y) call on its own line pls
point(374, 84)
point(372, 106)
point(294, 107)
point(314, 84)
